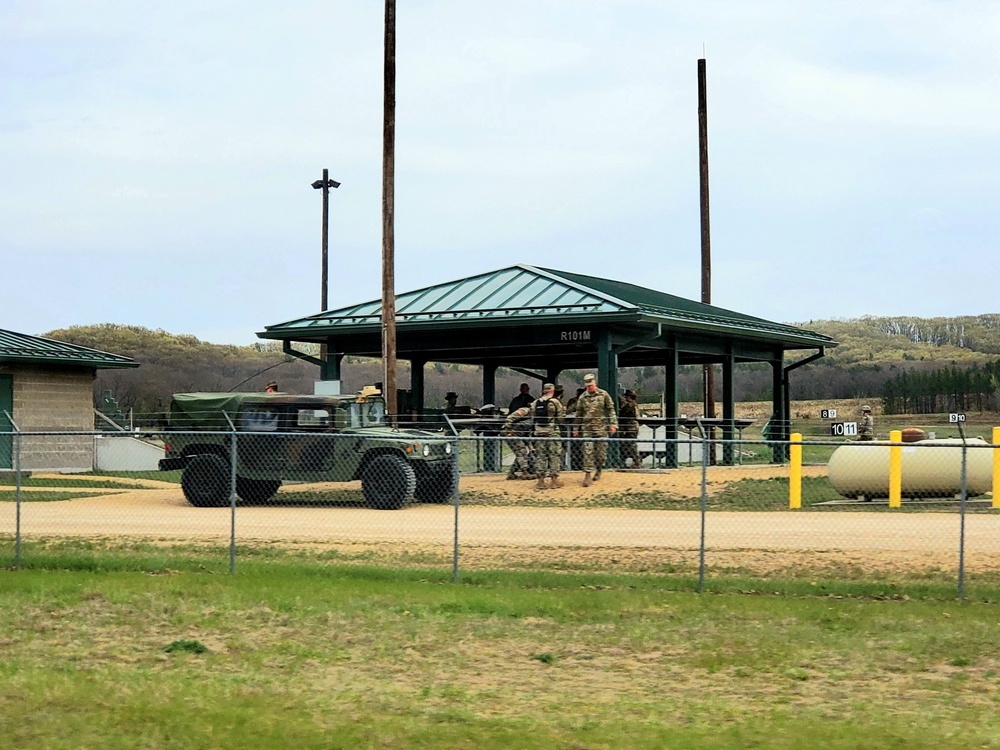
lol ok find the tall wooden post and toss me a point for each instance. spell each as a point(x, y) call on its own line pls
point(706, 233)
point(388, 184)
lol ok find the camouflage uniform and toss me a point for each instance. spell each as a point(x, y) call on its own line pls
point(866, 426)
point(628, 420)
point(521, 468)
point(548, 453)
point(595, 414)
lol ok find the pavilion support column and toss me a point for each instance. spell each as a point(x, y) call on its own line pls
point(607, 378)
point(492, 453)
point(417, 386)
point(330, 369)
point(728, 409)
point(671, 410)
point(786, 412)
point(607, 366)
point(778, 430)
point(490, 384)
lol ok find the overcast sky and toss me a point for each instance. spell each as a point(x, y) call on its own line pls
point(156, 158)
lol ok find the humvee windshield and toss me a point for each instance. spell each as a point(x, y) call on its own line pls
point(353, 414)
point(369, 414)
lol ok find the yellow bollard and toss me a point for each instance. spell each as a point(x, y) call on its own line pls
point(996, 468)
point(895, 469)
point(795, 472)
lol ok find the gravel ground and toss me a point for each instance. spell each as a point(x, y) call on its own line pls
point(513, 536)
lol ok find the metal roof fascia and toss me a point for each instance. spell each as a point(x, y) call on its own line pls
point(548, 318)
point(68, 361)
point(730, 327)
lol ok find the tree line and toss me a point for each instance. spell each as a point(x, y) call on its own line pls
point(911, 363)
point(947, 389)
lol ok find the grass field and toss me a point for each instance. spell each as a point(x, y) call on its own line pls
point(119, 651)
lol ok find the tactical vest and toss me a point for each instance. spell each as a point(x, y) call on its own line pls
point(542, 412)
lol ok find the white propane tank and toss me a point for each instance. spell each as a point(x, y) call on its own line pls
point(931, 468)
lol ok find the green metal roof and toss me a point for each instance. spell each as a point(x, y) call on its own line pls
point(19, 348)
point(528, 294)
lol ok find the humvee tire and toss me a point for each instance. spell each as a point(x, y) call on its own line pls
point(205, 481)
point(256, 490)
point(437, 487)
point(388, 482)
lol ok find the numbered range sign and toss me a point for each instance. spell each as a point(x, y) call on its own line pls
point(844, 429)
point(956, 418)
point(827, 413)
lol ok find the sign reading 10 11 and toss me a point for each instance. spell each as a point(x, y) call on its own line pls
point(827, 413)
point(844, 429)
point(956, 418)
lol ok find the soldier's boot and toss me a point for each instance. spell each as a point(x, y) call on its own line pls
point(597, 475)
point(586, 479)
point(540, 485)
point(512, 474)
point(556, 483)
point(529, 476)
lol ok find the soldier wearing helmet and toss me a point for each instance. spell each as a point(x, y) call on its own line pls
point(866, 426)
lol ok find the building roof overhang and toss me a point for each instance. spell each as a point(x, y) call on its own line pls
point(20, 348)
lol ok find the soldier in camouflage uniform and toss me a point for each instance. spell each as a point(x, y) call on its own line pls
point(866, 427)
point(628, 433)
point(547, 414)
point(595, 418)
point(514, 428)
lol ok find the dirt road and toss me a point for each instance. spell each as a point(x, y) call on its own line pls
point(517, 534)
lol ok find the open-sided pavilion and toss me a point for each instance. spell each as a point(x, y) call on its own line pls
point(541, 322)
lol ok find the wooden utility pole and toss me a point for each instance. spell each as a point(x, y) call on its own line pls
point(388, 184)
point(706, 232)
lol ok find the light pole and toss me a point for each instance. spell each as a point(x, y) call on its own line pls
point(325, 184)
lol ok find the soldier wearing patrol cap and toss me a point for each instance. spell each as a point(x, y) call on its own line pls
point(595, 418)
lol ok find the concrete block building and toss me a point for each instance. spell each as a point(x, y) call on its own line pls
point(46, 388)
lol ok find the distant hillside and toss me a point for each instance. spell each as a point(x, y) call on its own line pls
point(891, 340)
point(871, 351)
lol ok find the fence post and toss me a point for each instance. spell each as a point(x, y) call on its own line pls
point(895, 469)
point(456, 501)
point(961, 533)
point(17, 494)
point(16, 458)
point(232, 495)
point(795, 472)
point(704, 506)
point(996, 467)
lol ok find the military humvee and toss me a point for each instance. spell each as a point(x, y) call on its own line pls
point(283, 437)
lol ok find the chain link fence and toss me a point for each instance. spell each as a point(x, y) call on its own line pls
point(888, 511)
